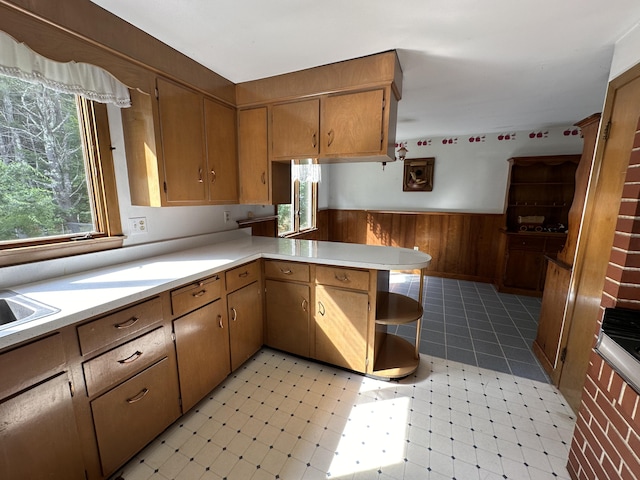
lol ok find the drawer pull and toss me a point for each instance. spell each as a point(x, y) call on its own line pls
point(220, 321)
point(138, 397)
point(286, 271)
point(131, 358)
point(244, 274)
point(304, 304)
point(341, 278)
point(129, 323)
point(321, 309)
point(199, 294)
point(235, 314)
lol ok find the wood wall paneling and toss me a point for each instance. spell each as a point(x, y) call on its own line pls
point(462, 245)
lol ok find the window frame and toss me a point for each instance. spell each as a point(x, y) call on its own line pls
point(295, 197)
point(100, 171)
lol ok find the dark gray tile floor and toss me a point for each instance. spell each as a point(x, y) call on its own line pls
point(471, 322)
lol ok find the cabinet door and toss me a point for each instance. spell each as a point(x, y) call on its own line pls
point(288, 317)
point(129, 416)
point(181, 127)
point(202, 346)
point(352, 123)
point(341, 327)
point(38, 436)
point(253, 156)
point(222, 156)
point(295, 129)
point(246, 329)
point(524, 269)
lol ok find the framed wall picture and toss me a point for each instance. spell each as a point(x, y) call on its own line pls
point(418, 175)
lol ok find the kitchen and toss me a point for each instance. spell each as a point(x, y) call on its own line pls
point(368, 174)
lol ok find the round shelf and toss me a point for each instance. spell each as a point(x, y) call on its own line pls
point(396, 358)
point(397, 309)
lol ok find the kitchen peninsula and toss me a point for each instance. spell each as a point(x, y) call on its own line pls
point(135, 345)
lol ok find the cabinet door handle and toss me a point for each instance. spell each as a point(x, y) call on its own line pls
point(321, 309)
point(314, 140)
point(244, 274)
point(304, 304)
point(129, 323)
point(330, 135)
point(132, 358)
point(234, 315)
point(199, 294)
point(286, 271)
point(213, 176)
point(200, 180)
point(263, 178)
point(341, 278)
point(220, 321)
point(139, 396)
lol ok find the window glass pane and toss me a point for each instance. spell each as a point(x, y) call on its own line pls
point(43, 183)
point(306, 205)
point(285, 218)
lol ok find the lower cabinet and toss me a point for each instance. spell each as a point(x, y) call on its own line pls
point(246, 329)
point(288, 316)
point(342, 319)
point(38, 435)
point(132, 414)
point(202, 348)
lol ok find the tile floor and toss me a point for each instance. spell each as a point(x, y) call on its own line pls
point(472, 323)
point(478, 408)
point(282, 417)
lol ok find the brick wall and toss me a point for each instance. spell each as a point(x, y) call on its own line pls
point(606, 440)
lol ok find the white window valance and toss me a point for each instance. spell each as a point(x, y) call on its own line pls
point(306, 172)
point(17, 60)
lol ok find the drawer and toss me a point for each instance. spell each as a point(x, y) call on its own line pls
point(554, 245)
point(25, 366)
point(195, 295)
point(122, 362)
point(343, 277)
point(119, 325)
point(134, 413)
point(296, 271)
point(240, 276)
point(526, 242)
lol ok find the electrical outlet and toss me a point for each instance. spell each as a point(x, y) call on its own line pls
point(416, 248)
point(227, 216)
point(138, 225)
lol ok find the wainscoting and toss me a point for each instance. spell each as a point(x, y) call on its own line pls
point(463, 245)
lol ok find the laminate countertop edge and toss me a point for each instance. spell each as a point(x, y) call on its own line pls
point(85, 295)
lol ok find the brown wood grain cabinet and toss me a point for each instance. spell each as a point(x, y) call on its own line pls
point(39, 436)
point(342, 317)
point(180, 149)
point(202, 349)
point(288, 306)
point(295, 127)
point(244, 310)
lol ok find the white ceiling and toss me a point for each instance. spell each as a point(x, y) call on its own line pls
point(469, 66)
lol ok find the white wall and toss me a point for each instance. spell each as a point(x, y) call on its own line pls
point(626, 53)
point(169, 222)
point(468, 176)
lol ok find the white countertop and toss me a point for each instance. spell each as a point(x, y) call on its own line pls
point(85, 295)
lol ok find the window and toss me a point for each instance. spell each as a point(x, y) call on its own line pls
point(53, 188)
point(300, 215)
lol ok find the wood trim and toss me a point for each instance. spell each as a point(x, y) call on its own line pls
point(363, 73)
point(36, 22)
point(36, 253)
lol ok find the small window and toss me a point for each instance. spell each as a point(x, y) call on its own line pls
point(300, 215)
point(53, 189)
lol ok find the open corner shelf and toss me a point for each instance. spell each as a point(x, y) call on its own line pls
point(396, 357)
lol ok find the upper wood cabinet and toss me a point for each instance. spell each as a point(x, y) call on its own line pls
point(261, 182)
point(352, 124)
point(183, 154)
point(344, 111)
point(331, 126)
